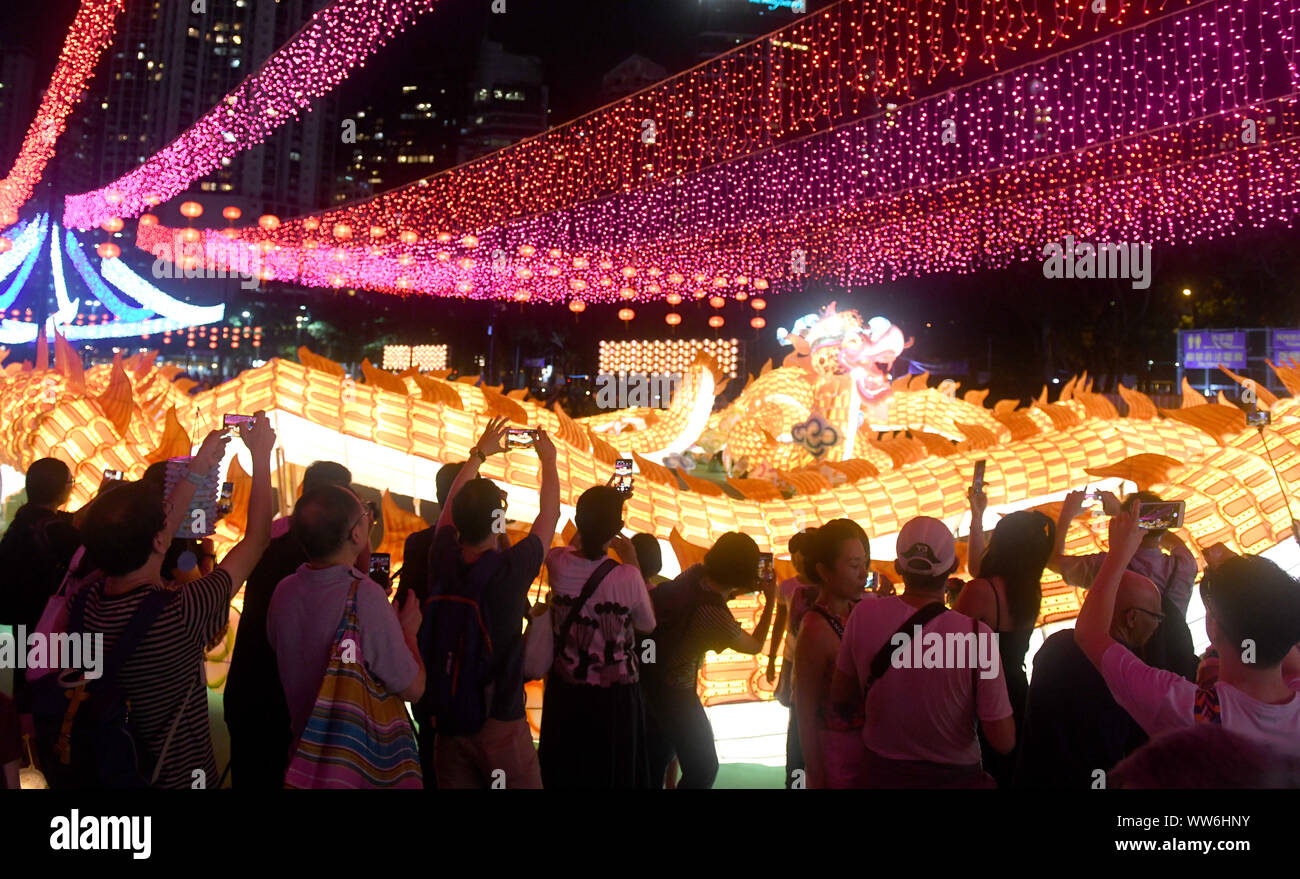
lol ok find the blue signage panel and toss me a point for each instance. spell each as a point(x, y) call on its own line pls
point(1208, 349)
point(1285, 344)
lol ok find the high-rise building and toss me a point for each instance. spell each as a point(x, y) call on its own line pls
point(725, 24)
point(631, 75)
point(409, 130)
point(508, 101)
point(171, 62)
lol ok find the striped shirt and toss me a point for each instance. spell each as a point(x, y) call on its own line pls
point(165, 676)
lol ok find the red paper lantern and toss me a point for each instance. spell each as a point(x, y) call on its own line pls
point(577, 306)
point(147, 220)
point(108, 250)
point(409, 237)
point(626, 314)
point(231, 213)
point(191, 209)
point(672, 318)
point(674, 299)
point(113, 224)
point(311, 224)
point(342, 231)
point(716, 321)
point(758, 305)
point(757, 323)
point(717, 302)
point(269, 222)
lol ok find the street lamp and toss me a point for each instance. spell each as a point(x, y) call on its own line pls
point(1187, 291)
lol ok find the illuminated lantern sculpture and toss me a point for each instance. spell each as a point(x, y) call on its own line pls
point(191, 209)
point(716, 321)
point(109, 250)
point(672, 318)
point(231, 213)
point(269, 222)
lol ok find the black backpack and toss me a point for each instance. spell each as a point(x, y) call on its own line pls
point(455, 643)
point(83, 727)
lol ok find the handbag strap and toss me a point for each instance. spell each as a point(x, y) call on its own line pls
point(880, 664)
point(150, 607)
point(588, 589)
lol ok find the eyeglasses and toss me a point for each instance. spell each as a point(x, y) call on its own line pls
point(1160, 618)
point(367, 512)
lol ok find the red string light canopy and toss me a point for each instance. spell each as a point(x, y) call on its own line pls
point(825, 69)
point(91, 33)
point(1168, 133)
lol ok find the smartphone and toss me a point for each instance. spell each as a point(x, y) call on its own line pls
point(521, 438)
point(1259, 418)
point(873, 581)
point(623, 475)
point(1164, 514)
point(113, 475)
point(978, 482)
point(1091, 498)
point(766, 567)
point(379, 562)
point(223, 501)
point(232, 422)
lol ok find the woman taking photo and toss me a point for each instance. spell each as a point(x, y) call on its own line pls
point(838, 560)
point(1007, 596)
point(593, 722)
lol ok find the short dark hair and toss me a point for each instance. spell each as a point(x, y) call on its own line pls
point(120, 527)
point(47, 480)
point(823, 548)
point(648, 554)
point(1206, 756)
point(474, 508)
point(1252, 598)
point(322, 519)
point(325, 473)
point(732, 561)
point(599, 516)
point(924, 582)
point(447, 474)
point(156, 475)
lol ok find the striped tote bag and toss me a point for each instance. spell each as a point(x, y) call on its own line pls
point(358, 736)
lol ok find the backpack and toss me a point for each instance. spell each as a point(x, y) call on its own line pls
point(456, 646)
point(83, 727)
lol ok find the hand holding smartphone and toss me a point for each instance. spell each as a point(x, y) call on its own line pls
point(521, 438)
point(1161, 515)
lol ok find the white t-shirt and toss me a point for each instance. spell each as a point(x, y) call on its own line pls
point(920, 713)
point(1161, 701)
point(601, 643)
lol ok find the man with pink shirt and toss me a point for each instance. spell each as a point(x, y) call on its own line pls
point(1253, 621)
point(921, 718)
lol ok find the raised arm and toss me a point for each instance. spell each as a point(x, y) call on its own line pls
point(549, 513)
point(778, 632)
point(491, 442)
point(979, 502)
point(1070, 511)
point(240, 561)
point(754, 642)
point(1092, 628)
point(205, 459)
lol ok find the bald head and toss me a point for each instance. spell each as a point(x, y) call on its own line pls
point(1137, 610)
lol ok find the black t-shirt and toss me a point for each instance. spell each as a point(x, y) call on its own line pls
point(253, 692)
point(505, 605)
point(1072, 726)
point(11, 740)
point(35, 552)
point(415, 563)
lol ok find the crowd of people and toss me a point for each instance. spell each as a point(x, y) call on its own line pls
point(913, 681)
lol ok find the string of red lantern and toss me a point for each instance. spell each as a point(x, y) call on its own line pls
point(821, 71)
point(90, 34)
point(1156, 151)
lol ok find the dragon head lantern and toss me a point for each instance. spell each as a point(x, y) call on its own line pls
point(837, 342)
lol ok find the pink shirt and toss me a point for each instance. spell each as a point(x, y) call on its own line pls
point(1174, 573)
point(920, 713)
point(1161, 700)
